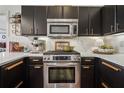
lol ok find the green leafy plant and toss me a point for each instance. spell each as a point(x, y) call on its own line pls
point(105, 46)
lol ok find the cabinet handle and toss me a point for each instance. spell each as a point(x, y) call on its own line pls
point(86, 67)
point(111, 28)
point(14, 65)
point(92, 31)
point(35, 60)
point(86, 31)
point(111, 67)
point(37, 66)
point(87, 60)
point(36, 31)
point(19, 84)
point(31, 31)
point(104, 85)
point(117, 27)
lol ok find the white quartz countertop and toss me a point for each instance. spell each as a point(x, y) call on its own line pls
point(114, 58)
point(9, 57)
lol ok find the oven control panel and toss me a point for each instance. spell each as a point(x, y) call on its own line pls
point(61, 58)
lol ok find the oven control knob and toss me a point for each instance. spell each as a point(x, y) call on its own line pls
point(75, 59)
point(44, 58)
point(79, 58)
point(48, 58)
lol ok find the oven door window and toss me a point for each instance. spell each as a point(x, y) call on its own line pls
point(59, 29)
point(61, 74)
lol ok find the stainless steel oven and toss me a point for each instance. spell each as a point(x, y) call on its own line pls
point(61, 71)
point(62, 27)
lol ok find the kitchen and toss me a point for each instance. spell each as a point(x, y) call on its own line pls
point(62, 46)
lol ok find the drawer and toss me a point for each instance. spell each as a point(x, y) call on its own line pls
point(113, 74)
point(12, 74)
point(87, 61)
point(35, 60)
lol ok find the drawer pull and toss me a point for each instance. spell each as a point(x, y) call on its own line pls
point(14, 65)
point(86, 67)
point(111, 67)
point(19, 84)
point(104, 85)
point(35, 60)
point(87, 60)
point(37, 66)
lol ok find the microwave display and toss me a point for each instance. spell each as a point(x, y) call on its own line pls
point(59, 29)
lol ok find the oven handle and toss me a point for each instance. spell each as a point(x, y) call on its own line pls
point(61, 65)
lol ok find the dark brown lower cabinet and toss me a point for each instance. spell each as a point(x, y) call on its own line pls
point(36, 76)
point(87, 76)
point(87, 73)
point(112, 75)
point(12, 75)
point(35, 72)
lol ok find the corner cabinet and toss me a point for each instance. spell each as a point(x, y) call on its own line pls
point(34, 20)
point(112, 75)
point(12, 75)
point(113, 21)
point(90, 21)
point(120, 18)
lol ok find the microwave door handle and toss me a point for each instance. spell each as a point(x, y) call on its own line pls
point(74, 29)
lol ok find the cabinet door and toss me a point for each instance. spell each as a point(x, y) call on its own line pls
point(36, 76)
point(120, 18)
point(54, 12)
point(87, 76)
point(108, 19)
point(70, 12)
point(95, 21)
point(40, 20)
point(112, 74)
point(27, 19)
point(13, 75)
point(83, 21)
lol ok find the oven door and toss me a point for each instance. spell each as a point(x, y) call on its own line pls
point(59, 29)
point(61, 75)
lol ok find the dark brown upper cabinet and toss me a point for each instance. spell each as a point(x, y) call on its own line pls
point(34, 20)
point(90, 21)
point(120, 18)
point(27, 20)
point(40, 23)
point(62, 12)
point(113, 21)
point(83, 21)
point(95, 21)
point(54, 12)
point(108, 19)
point(70, 12)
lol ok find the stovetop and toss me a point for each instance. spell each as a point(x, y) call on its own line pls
point(61, 53)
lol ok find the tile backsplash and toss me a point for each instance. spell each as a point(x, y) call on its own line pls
point(116, 40)
point(81, 44)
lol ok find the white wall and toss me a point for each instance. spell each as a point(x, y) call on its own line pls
point(11, 8)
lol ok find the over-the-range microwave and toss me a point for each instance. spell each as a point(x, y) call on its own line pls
point(62, 27)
